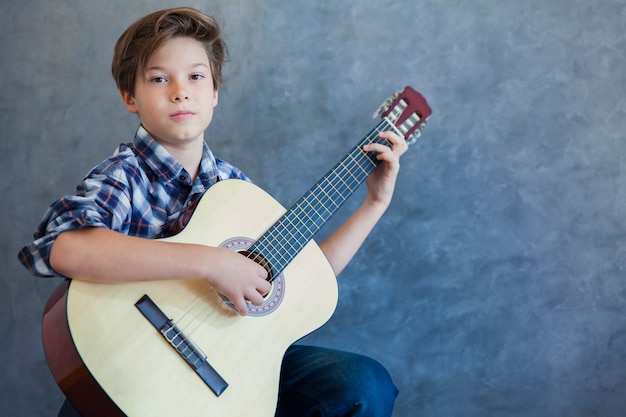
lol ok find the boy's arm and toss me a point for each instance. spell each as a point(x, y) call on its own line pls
point(342, 244)
point(102, 255)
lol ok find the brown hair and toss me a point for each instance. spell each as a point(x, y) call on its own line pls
point(138, 43)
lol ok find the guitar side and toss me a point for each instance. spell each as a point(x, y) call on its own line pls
point(125, 364)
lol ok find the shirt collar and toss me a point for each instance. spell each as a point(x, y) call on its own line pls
point(166, 167)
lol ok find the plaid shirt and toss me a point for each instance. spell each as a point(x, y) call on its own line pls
point(140, 191)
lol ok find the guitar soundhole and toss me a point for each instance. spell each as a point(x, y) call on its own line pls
point(271, 300)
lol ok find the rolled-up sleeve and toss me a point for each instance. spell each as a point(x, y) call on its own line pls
point(101, 200)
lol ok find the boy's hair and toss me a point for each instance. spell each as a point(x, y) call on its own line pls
point(139, 42)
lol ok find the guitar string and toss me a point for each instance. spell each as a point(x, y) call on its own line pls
point(200, 317)
point(190, 317)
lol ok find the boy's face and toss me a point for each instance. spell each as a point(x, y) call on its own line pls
point(175, 98)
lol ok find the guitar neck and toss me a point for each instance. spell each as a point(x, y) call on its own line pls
point(286, 238)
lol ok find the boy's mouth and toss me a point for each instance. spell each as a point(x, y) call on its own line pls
point(182, 115)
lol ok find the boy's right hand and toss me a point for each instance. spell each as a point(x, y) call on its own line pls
point(239, 279)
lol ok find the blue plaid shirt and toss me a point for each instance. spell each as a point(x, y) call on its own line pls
point(140, 191)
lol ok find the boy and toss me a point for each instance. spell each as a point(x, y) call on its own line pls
point(167, 67)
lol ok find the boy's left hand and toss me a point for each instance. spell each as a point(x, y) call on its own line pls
point(381, 182)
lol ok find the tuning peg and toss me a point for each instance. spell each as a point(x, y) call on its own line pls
point(385, 106)
point(381, 109)
point(412, 138)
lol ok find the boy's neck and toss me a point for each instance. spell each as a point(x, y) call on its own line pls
point(189, 156)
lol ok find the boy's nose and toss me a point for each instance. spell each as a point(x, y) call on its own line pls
point(179, 92)
point(180, 96)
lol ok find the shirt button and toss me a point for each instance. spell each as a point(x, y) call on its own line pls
point(183, 178)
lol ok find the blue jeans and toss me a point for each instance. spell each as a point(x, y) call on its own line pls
point(319, 382)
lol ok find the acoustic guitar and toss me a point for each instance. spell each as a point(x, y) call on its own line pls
point(178, 348)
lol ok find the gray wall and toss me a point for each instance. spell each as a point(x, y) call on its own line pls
point(494, 286)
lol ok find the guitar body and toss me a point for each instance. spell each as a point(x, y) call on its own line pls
point(110, 361)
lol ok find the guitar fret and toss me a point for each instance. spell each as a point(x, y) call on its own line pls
point(274, 260)
point(290, 234)
point(277, 253)
point(372, 164)
point(320, 189)
point(295, 225)
point(284, 248)
point(364, 155)
point(333, 186)
point(296, 245)
point(358, 163)
point(321, 203)
point(345, 183)
point(306, 213)
point(313, 207)
point(328, 196)
point(273, 249)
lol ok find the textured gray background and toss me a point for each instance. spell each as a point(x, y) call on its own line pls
point(495, 284)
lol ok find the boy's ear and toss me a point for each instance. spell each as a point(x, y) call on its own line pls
point(215, 95)
point(129, 101)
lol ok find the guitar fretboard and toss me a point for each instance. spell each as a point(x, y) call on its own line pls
point(286, 238)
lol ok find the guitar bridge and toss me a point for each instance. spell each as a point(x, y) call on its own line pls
point(182, 344)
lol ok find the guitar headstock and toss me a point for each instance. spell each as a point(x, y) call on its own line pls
point(408, 111)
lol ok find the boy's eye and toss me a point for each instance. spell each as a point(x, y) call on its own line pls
point(157, 79)
point(197, 76)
